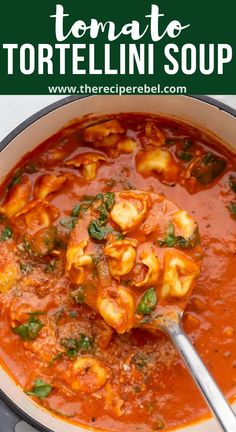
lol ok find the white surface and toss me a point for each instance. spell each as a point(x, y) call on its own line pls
point(15, 109)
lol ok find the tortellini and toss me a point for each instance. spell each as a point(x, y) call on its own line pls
point(152, 263)
point(87, 375)
point(126, 145)
point(8, 276)
point(154, 135)
point(17, 196)
point(48, 184)
point(77, 261)
point(180, 273)
point(96, 133)
point(117, 310)
point(36, 215)
point(130, 209)
point(159, 161)
point(121, 255)
point(184, 224)
point(89, 163)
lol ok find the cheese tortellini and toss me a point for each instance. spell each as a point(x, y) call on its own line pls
point(121, 255)
point(78, 261)
point(130, 210)
point(36, 215)
point(152, 263)
point(98, 132)
point(87, 374)
point(117, 310)
point(180, 273)
point(89, 163)
point(157, 161)
point(48, 184)
point(17, 196)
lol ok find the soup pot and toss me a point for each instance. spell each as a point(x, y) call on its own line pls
point(202, 112)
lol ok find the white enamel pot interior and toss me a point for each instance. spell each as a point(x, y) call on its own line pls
point(219, 119)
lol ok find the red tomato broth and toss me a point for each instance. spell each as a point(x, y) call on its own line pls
point(160, 390)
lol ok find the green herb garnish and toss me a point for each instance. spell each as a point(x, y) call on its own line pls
point(187, 144)
point(232, 183)
point(73, 346)
point(169, 239)
point(6, 234)
point(139, 360)
point(40, 389)
point(30, 329)
point(68, 223)
point(148, 302)
point(184, 155)
point(98, 232)
point(232, 208)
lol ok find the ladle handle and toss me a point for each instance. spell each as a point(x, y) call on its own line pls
point(215, 399)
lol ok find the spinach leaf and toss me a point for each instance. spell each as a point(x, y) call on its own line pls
point(187, 144)
point(139, 360)
point(184, 155)
point(169, 239)
point(40, 389)
point(232, 208)
point(148, 302)
point(232, 183)
point(30, 329)
point(16, 179)
point(208, 168)
point(6, 234)
point(73, 346)
point(98, 232)
point(68, 223)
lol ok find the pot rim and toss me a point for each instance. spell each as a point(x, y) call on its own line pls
point(13, 134)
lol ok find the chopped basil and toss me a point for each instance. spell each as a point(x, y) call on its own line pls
point(232, 183)
point(232, 208)
point(73, 314)
point(51, 267)
point(184, 155)
point(79, 294)
point(76, 210)
point(208, 168)
point(139, 360)
point(98, 232)
point(171, 240)
point(6, 234)
point(40, 389)
point(30, 329)
point(187, 144)
point(16, 179)
point(119, 236)
point(148, 302)
point(83, 206)
point(25, 268)
point(68, 223)
point(73, 346)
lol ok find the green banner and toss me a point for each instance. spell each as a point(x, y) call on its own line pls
point(123, 47)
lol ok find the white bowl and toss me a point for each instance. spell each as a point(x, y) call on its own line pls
point(203, 112)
